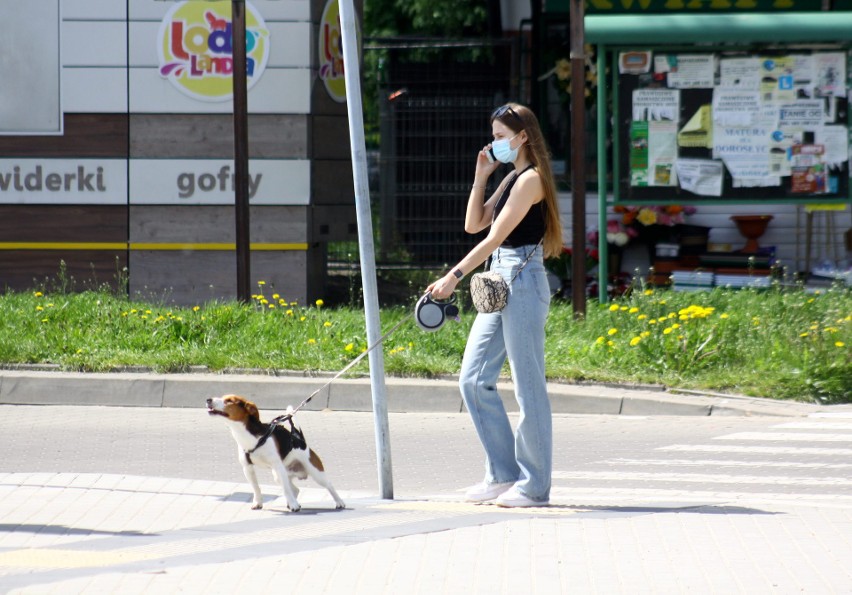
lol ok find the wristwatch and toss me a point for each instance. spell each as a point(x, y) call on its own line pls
point(458, 274)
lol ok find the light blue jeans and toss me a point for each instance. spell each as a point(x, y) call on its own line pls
point(525, 456)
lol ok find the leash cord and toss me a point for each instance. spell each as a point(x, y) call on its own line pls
point(290, 414)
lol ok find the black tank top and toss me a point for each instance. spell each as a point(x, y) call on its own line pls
point(531, 228)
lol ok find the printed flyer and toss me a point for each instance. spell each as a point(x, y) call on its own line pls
point(704, 121)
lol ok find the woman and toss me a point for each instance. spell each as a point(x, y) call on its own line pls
point(524, 222)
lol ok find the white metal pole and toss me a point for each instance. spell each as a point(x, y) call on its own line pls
point(352, 77)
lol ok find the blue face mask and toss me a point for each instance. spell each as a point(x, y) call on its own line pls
point(502, 150)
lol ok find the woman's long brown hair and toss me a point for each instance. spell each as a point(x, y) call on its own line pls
point(518, 118)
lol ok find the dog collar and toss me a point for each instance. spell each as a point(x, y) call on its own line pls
point(431, 314)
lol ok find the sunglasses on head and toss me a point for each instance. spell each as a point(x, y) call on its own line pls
point(505, 110)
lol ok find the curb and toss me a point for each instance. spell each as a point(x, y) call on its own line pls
point(414, 395)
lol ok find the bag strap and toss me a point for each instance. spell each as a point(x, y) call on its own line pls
point(527, 259)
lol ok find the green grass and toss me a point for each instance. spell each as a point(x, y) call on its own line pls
point(785, 344)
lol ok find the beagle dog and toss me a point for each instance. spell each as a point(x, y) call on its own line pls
point(270, 445)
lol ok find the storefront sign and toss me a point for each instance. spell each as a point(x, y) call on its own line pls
point(63, 181)
point(196, 53)
point(211, 182)
point(331, 52)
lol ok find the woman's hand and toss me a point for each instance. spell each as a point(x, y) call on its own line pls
point(484, 167)
point(443, 287)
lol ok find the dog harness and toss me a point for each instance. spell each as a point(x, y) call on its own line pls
point(296, 436)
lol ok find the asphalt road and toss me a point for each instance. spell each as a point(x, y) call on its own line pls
point(438, 454)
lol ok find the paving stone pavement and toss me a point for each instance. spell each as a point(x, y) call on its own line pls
point(151, 500)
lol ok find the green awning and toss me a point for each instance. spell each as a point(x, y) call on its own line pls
point(745, 28)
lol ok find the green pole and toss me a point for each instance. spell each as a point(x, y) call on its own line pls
point(603, 248)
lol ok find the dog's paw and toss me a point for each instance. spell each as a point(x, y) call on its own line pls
point(257, 506)
point(295, 508)
point(340, 505)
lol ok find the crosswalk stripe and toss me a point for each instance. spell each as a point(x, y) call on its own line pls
point(584, 495)
point(703, 478)
point(727, 463)
point(766, 450)
point(815, 425)
point(787, 437)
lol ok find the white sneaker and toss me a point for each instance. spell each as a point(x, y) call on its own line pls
point(513, 498)
point(483, 492)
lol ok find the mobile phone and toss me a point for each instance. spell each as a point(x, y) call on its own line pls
point(490, 155)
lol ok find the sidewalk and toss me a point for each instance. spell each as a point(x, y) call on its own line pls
point(129, 535)
point(145, 389)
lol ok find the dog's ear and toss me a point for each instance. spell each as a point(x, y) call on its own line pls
point(251, 409)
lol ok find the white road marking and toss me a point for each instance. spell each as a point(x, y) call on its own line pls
point(702, 478)
point(766, 450)
point(816, 425)
point(727, 463)
point(787, 437)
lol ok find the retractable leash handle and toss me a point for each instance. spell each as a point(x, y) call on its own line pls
point(431, 314)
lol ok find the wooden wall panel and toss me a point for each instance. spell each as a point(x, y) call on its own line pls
point(59, 223)
point(86, 135)
point(330, 137)
point(209, 224)
point(331, 182)
point(212, 136)
point(22, 270)
point(194, 278)
point(334, 223)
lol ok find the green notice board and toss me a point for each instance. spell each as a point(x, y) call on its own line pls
point(745, 126)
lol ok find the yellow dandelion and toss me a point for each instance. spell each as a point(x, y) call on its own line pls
point(349, 347)
point(683, 317)
point(667, 331)
point(319, 303)
point(196, 308)
point(275, 296)
point(840, 344)
point(612, 331)
point(147, 311)
point(124, 314)
point(38, 294)
point(613, 308)
point(803, 334)
point(610, 343)
point(649, 292)
point(410, 344)
point(599, 340)
point(645, 334)
point(326, 324)
point(675, 325)
point(312, 341)
point(633, 310)
point(642, 317)
point(290, 313)
point(652, 321)
point(44, 319)
point(264, 301)
point(271, 306)
point(261, 282)
point(623, 308)
point(635, 341)
point(302, 319)
point(724, 316)
point(39, 308)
